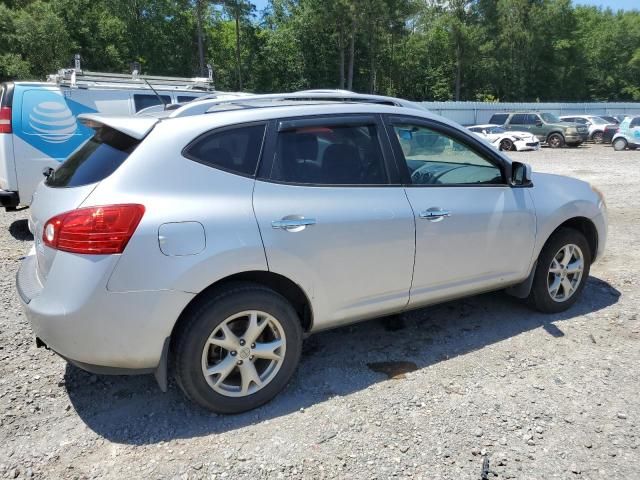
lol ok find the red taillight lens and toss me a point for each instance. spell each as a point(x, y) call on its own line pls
point(93, 230)
point(5, 120)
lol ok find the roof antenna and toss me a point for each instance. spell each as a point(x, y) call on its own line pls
point(135, 73)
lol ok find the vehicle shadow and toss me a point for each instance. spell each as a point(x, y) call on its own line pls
point(132, 410)
point(19, 229)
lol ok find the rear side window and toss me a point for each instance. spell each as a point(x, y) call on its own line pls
point(235, 149)
point(519, 119)
point(144, 101)
point(499, 118)
point(95, 160)
point(635, 122)
point(329, 155)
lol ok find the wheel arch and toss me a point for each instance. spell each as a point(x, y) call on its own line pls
point(584, 226)
point(291, 291)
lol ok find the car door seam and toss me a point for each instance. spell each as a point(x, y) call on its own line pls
point(255, 217)
point(415, 246)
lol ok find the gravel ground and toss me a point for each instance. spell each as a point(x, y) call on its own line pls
point(540, 397)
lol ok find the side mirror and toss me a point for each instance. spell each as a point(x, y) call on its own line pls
point(538, 123)
point(521, 175)
point(47, 171)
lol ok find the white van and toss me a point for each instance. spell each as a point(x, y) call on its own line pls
point(38, 125)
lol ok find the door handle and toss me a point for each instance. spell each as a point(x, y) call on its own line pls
point(293, 224)
point(435, 214)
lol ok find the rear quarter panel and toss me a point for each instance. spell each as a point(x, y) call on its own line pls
point(175, 189)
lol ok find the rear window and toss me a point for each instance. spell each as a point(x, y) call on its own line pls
point(95, 160)
point(499, 118)
point(144, 101)
point(235, 149)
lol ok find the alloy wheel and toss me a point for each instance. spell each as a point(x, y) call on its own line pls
point(565, 273)
point(244, 353)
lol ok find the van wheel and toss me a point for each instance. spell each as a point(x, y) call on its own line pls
point(555, 140)
point(619, 144)
point(239, 349)
point(561, 272)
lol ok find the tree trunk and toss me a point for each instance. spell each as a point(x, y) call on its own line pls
point(238, 65)
point(352, 48)
point(200, 40)
point(458, 70)
point(372, 58)
point(341, 59)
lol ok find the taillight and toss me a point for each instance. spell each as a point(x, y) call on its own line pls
point(5, 120)
point(99, 230)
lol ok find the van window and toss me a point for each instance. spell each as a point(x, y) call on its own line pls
point(95, 160)
point(144, 101)
point(185, 98)
point(234, 149)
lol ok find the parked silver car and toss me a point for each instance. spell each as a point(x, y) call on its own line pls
point(217, 242)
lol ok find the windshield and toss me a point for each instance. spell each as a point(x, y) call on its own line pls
point(95, 160)
point(550, 118)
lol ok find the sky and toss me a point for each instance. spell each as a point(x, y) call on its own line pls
point(613, 4)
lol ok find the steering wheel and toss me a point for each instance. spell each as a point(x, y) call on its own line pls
point(422, 176)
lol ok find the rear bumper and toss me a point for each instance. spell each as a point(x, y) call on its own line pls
point(575, 139)
point(9, 199)
point(74, 315)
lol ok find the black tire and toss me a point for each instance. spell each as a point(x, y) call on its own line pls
point(195, 330)
point(620, 144)
point(555, 140)
point(507, 145)
point(539, 297)
point(597, 137)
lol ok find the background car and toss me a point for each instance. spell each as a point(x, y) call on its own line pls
point(506, 140)
point(546, 126)
point(628, 134)
point(594, 123)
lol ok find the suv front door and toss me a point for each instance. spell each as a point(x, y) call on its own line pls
point(473, 231)
point(331, 218)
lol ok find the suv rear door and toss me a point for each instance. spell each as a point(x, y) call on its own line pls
point(333, 216)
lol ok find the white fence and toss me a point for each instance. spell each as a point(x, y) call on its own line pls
point(473, 113)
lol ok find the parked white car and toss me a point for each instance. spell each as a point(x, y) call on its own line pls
point(506, 140)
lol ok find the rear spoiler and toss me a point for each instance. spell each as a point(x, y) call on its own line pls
point(135, 127)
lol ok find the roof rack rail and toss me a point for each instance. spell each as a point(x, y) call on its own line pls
point(208, 105)
point(73, 77)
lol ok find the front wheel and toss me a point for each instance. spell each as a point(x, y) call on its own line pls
point(507, 145)
point(555, 140)
point(561, 272)
point(239, 349)
point(619, 144)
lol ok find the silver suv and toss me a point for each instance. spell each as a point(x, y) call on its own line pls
point(216, 242)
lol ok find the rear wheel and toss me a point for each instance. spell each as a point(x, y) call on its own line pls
point(561, 272)
point(597, 137)
point(507, 145)
point(239, 349)
point(555, 140)
point(619, 144)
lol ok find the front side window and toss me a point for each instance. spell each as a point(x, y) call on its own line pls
point(550, 118)
point(532, 119)
point(329, 155)
point(235, 149)
point(434, 158)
